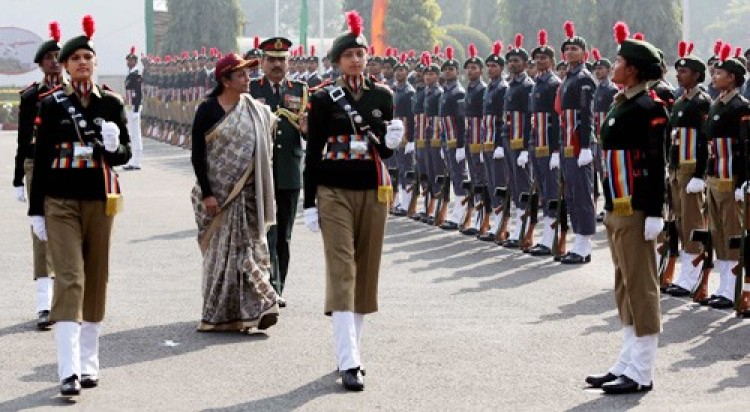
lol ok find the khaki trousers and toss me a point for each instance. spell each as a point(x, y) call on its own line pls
point(78, 234)
point(687, 208)
point(42, 259)
point(636, 281)
point(724, 214)
point(352, 223)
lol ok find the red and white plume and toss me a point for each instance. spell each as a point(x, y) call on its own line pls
point(426, 59)
point(54, 31)
point(497, 47)
point(412, 53)
point(371, 50)
point(726, 50)
point(354, 21)
point(132, 50)
point(519, 40)
point(203, 51)
point(449, 53)
point(185, 54)
point(472, 50)
point(596, 53)
point(88, 26)
point(542, 36)
point(691, 45)
point(639, 36)
point(402, 60)
point(436, 50)
point(570, 28)
point(195, 54)
point(622, 32)
point(682, 48)
point(256, 42)
point(738, 52)
point(312, 50)
point(717, 47)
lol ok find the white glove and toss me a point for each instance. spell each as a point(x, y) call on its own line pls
point(739, 194)
point(39, 227)
point(110, 136)
point(460, 154)
point(311, 219)
point(394, 134)
point(499, 153)
point(303, 144)
point(409, 148)
point(554, 161)
point(481, 157)
point(585, 157)
point(695, 185)
point(523, 158)
point(442, 155)
point(654, 226)
point(20, 193)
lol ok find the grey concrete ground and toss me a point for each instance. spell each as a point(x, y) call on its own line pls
point(463, 325)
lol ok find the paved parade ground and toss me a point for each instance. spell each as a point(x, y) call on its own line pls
point(463, 325)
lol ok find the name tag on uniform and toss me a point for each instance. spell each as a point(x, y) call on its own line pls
point(292, 102)
point(358, 147)
point(83, 152)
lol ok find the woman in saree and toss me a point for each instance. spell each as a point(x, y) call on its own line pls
point(233, 202)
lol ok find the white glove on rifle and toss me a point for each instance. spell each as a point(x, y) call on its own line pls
point(585, 157)
point(654, 226)
point(442, 154)
point(523, 158)
point(460, 154)
point(554, 161)
point(695, 185)
point(20, 193)
point(481, 157)
point(311, 219)
point(110, 136)
point(394, 134)
point(499, 153)
point(39, 227)
point(409, 148)
point(739, 194)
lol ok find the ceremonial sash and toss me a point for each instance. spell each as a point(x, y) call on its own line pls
point(599, 122)
point(515, 129)
point(488, 126)
point(722, 148)
point(571, 141)
point(434, 122)
point(448, 124)
point(619, 167)
point(338, 148)
point(687, 142)
point(473, 134)
point(541, 126)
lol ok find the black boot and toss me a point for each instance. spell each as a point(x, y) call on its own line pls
point(70, 386)
point(352, 380)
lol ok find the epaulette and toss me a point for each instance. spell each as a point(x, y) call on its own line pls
point(649, 100)
point(50, 91)
point(29, 87)
point(295, 81)
point(107, 88)
point(325, 83)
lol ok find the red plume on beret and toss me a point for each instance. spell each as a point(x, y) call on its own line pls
point(621, 32)
point(185, 54)
point(195, 53)
point(717, 47)
point(88, 26)
point(256, 42)
point(412, 53)
point(726, 50)
point(472, 51)
point(54, 31)
point(519, 40)
point(354, 21)
point(402, 60)
point(436, 49)
point(312, 50)
point(203, 50)
point(497, 47)
point(596, 53)
point(682, 48)
point(167, 59)
point(639, 36)
point(449, 52)
point(132, 49)
point(738, 52)
point(691, 45)
point(371, 50)
point(570, 28)
point(542, 35)
point(426, 59)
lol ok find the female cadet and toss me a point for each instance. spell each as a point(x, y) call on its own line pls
point(347, 190)
point(74, 197)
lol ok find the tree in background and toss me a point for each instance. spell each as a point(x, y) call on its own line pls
point(412, 24)
point(197, 23)
point(731, 25)
point(259, 18)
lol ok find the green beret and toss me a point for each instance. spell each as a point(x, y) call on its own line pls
point(732, 65)
point(44, 48)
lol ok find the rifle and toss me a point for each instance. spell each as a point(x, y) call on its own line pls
point(465, 226)
point(484, 208)
point(411, 210)
point(394, 183)
point(561, 219)
point(669, 249)
point(707, 257)
point(501, 233)
point(444, 197)
point(532, 210)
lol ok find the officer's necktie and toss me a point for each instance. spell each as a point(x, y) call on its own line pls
point(276, 92)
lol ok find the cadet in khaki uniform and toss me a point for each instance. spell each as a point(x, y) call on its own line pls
point(46, 58)
point(288, 100)
point(82, 134)
point(347, 190)
point(633, 143)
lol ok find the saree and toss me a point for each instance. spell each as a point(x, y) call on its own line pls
point(237, 294)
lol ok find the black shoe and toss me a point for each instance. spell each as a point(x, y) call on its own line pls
point(623, 385)
point(89, 381)
point(70, 386)
point(512, 244)
point(399, 212)
point(130, 167)
point(487, 237)
point(575, 259)
point(721, 303)
point(281, 301)
point(540, 250)
point(419, 216)
point(560, 258)
point(43, 322)
point(448, 225)
point(705, 302)
point(352, 381)
point(676, 291)
point(470, 231)
point(596, 381)
point(600, 217)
